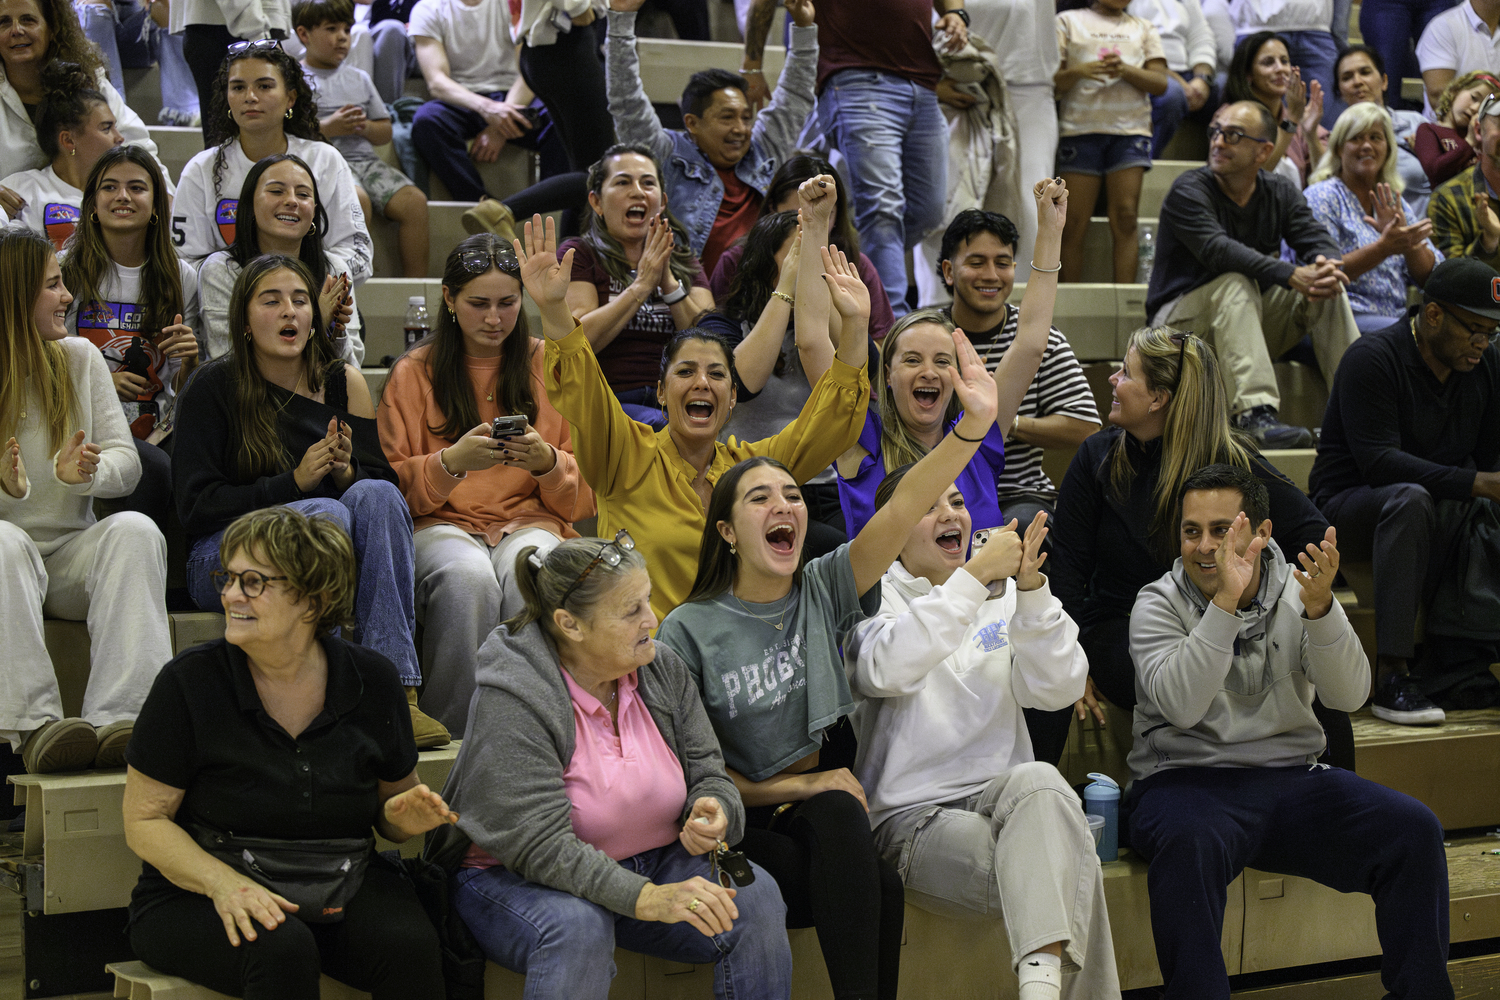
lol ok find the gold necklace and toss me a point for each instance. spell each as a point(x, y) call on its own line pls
point(780, 621)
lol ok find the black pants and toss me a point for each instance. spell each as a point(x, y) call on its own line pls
point(689, 18)
point(385, 945)
point(1107, 645)
point(569, 78)
point(203, 47)
point(152, 496)
point(825, 519)
point(568, 193)
point(822, 854)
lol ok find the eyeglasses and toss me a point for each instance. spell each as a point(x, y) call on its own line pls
point(1490, 336)
point(480, 261)
point(1180, 339)
point(252, 583)
point(256, 46)
point(1232, 136)
point(610, 555)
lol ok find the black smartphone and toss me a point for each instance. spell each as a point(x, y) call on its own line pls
point(506, 427)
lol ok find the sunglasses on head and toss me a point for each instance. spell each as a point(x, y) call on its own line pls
point(479, 261)
point(254, 47)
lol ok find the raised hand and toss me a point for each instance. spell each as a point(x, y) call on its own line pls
point(417, 810)
point(545, 277)
point(77, 461)
point(1320, 564)
point(786, 281)
point(706, 905)
point(819, 196)
point(13, 470)
point(1313, 114)
point(850, 296)
point(705, 826)
point(1296, 96)
point(241, 903)
point(1051, 194)
point(1000, 558)
point(1235, 560)
point(801, 12)
point(1030, 575)
point(528, 451)
point(974, 386)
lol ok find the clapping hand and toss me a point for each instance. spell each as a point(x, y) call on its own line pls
point(1390, 218)
point(417, 810)
point(1489, 222)
point(1320, 564)
point(850, 296)
point(78, 460)
point(1313, 114)
point(655, 265)
point(705, 827)
point(1235, 561)
point(334, 307)
point(13, 470)
point(545, 277)
point(974, 386)
point(1296, 96)
point(328, 455)
point(1030, 575)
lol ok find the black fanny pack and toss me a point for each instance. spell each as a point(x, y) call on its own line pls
point(320, 876)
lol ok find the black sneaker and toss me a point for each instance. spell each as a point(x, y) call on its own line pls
point(1399, 700)
point(1262, 423)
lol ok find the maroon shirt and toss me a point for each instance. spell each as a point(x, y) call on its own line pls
point(892, 36)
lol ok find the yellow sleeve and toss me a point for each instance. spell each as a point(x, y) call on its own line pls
point(828, 425)
point(613, 451)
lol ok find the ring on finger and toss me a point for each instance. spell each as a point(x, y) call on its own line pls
point(693, 906)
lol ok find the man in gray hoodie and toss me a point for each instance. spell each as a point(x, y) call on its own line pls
point(1230, 647)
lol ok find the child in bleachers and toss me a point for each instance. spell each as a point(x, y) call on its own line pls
point(138, 303)
point(74, 127)
point(1112, 63)
point(354, 118)
point(477, 499)
point(262, 104)
point(66, 443)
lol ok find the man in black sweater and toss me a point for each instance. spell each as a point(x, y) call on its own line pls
point(1219, 271)
point(1413, 420)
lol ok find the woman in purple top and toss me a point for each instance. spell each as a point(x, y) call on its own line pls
point(916, 409)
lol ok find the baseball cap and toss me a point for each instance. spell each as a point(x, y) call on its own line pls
point(1467, 283)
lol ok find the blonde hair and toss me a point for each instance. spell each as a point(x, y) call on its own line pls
point(314, 553)
point(1197, 432)
point(1356, 119)
point(33, 371)
point(898, 445)
point(1444, 105)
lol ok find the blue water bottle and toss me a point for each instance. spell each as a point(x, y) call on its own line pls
point(1102, 798)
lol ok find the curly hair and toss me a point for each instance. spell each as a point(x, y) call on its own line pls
point(1444, 105)
point(67, 40)
point(220, 125)
point(69, 96)
point(756, 279)
point(313, 553)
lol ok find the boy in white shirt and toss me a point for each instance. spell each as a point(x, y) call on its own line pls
point(354, 119)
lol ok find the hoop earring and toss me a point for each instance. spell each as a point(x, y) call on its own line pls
point(94, 218)
point(229, 114)
point(288, 114)
point(151, 223)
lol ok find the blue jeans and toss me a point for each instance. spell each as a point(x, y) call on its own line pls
point(376, 517)
point(894, 138)
point(565, 945)
point(1170, 110)
point(1200, 826)
point(117, 30)
point(1390, 27)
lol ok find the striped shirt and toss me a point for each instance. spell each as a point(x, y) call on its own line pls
point(1059, 387)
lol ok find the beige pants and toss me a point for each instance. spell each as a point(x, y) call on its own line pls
point(1248, 328)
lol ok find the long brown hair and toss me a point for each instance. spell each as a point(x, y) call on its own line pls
point(452, 388)
point(261, 450)
point(221, 129)
point(683, 262)
point(87, 257)
point(33, 371)
point(898, 445)
point(717, 565)
point(1197, 431)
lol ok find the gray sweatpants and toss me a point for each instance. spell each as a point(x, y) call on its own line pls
point(1019, 850)
point(464, 590)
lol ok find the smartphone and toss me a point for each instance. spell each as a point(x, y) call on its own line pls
point(506, 427)
point(977, 542)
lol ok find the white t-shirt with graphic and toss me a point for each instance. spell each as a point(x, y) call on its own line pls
point(1096, 107)
point(51, 203)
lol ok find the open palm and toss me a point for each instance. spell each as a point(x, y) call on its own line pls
point(850, 296)
point(1236, 570)
point(972, 382)
point(545, 277)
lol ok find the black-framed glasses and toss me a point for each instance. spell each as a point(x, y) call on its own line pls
point(1180, 339)
point(1232, 136)
point(254, 47)
point(480, 261)
point(610, 555)
point(252, 582)
point(1490, 336)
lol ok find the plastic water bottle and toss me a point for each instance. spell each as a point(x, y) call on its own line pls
point(1145, 254)
point(417, 323)
point(1102, 798)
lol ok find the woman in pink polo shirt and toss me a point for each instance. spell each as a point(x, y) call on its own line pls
point(594, 797)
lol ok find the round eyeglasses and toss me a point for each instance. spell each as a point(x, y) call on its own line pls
point(252, 582)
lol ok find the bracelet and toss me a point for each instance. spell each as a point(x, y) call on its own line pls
point(672, 298)
point(1047, 270)
point(751, 72)
point(783, 296)
point(455, 475)
point(955, 433)
point(1015, 425)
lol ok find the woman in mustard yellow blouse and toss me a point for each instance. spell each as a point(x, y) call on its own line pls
point(657, 483)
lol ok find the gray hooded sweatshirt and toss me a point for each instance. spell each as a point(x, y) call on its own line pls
point(507, 783)
point(1215, 689)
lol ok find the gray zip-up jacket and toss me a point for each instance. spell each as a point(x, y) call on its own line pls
point(693, 187)
point(1220, 690)
point(507, 783)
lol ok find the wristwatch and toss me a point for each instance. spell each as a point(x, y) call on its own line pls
point(963, 15)
point(1288, 126)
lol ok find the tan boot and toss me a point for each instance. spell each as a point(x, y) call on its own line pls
point(428, 731)
point(490, 216)
point(113, 739)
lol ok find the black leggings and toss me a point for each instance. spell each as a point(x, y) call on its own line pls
point(822, 854)
point(569, 78)
point(568, 193)
point(1107, 645)
point(385, 945)
point(203, 46)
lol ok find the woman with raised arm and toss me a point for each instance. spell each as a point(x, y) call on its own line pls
point(138, 303)
point(657, 483)
point(477, 499)
point(988, 830)
point(66, 443)
point(916, 406)
point(1262, 71)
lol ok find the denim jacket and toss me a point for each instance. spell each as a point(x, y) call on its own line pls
point(694, 190)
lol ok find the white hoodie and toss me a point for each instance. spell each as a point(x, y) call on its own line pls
point(942, 674)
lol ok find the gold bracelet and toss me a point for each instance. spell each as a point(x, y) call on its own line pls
point(783, 296)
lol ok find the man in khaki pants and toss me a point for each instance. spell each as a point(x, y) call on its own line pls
point(1219, 270)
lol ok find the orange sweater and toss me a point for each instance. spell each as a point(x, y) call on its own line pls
point(492, 502)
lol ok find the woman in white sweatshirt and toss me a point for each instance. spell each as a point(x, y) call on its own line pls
point(66, 442)
point(974, 824)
